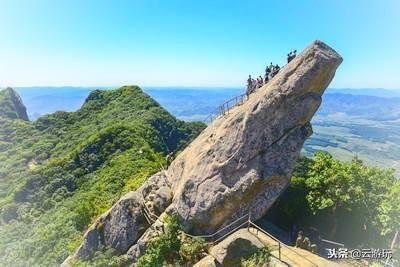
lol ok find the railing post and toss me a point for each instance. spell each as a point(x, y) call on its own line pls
point(279, 245)
point(248, 222)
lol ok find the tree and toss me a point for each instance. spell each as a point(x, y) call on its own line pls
point(344, 200)
point(390, 211)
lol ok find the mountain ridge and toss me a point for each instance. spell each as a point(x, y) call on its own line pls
point(58, 173)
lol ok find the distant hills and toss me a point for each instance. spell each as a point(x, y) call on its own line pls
point(368, 91)
point(363, 122)
point(45, 100)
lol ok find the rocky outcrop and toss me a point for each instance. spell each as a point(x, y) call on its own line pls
point(238, 245)
point(242, 161)
point(11, 105)
point(122, 226)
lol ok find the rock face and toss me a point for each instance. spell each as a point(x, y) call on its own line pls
point(11, 105)
point(122, 226)
point(240, 244)
point(242, 161)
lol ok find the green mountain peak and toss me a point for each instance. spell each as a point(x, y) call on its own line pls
point(66, 168)
point(11, 105)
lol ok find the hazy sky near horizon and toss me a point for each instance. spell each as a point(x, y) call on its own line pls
point(191, 43)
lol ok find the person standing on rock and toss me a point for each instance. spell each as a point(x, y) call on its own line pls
point(267, 71)
point(254, 85)
point(271, 70)
point(289, 57)
point(261, 81)
point(169, 158)
point(266, 78)
point(276, 69)
point(249, 86)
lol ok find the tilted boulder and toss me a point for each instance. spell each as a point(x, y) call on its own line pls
point(244, 159)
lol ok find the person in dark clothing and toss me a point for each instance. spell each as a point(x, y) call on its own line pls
point(249, 86)
point(266, 78)
point(267, 71)
point(289, 57)
point(277, 69)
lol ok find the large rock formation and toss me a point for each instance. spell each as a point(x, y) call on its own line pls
point(242, 161)
point(11, 105)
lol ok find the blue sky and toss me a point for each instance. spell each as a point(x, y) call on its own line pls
point(191, 43)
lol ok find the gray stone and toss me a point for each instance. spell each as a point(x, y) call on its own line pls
point(122, 226)
point(238, 245)
point(119, 228)
point(162, 199)
point(244, 159)
point(12, 106)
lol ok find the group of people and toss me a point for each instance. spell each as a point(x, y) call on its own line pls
point(253, 84)
point(291, 55)
point(270, 71)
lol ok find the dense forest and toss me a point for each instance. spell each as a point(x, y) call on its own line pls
point(58, 173)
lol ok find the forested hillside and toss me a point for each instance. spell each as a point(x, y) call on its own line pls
point(60, 172)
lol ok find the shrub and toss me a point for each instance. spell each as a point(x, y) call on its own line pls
point(259, 258)
point(164, 247)
point(192, 250)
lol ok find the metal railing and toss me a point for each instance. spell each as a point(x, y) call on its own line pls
point(280, 244)
point(220, 234)
point(225, 107)
point(269, 235)
point(223, 232)
point(335, 244)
